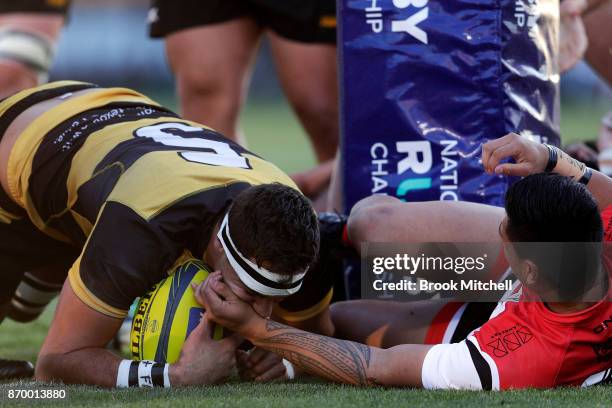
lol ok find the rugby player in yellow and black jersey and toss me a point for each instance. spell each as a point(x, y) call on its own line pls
point(112, 189)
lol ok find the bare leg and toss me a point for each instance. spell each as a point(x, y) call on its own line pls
point(15, 76)
point(387, 219)
point(384, 323)
point(599, 33)
point(212, 65)
point(335, 201)
point(308, 74)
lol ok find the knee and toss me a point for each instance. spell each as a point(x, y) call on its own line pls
point(350, 320)
point(209, 98)
point(367, 217)
point(340, 315)
point(320, 110)
point(205, 85)
point(45, 366)
point(14, 78)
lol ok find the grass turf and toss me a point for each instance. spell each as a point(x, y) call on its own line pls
point(316, 395)
point(273, 132)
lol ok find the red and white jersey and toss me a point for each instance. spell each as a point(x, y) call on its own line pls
point(524, 344)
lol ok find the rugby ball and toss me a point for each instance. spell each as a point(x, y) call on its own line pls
point(166, 315)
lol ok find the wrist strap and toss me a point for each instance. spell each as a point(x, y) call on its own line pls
point(289, 368)
point(586, 177)
point(144, 373)
point(552, 158)
point(561, 163)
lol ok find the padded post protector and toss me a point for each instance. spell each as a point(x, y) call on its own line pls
point(425, 82)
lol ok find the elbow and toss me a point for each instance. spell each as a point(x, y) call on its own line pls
point(47, 368)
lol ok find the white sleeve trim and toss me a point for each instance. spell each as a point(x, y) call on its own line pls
point(492, 365)
point(450, 366)
point(601, 377)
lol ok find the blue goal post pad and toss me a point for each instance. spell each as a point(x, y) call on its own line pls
point(425, 82)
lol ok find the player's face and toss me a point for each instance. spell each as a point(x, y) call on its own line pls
point(215, 257)
point(261, 304)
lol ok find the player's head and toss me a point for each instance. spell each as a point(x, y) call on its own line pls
point(561, 217)
point(265, 243)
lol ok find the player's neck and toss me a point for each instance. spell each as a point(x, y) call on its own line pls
point(568, 307)
point(598, 292)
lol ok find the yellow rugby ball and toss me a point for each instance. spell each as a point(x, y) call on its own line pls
point(166, 315)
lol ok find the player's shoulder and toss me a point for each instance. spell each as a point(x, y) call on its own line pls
point(527, 345)
point(517, 354)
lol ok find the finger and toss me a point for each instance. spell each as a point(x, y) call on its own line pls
point(265, 365)
point(210, 298)
point(203, 330)
point(222, 289)
point(507, 151)
point(514, 169)
point(492, 145)
point(257, 354)
point(277, 372)
point(243, 373)
point(198, 293)
point(199, 289)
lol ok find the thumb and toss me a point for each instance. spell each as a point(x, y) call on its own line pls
point(197, 292)
point(204, 330)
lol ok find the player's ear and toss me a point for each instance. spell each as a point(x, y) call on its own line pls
point(214, 244)
point(529, 273)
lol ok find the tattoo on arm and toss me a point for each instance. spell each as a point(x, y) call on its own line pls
point(336, 360)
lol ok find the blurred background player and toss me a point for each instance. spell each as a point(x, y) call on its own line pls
point(29, 30)
point(596, 153)
point(211, 47)
point(586, 19)
point(583, 33)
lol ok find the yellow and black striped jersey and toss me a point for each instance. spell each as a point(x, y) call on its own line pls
point(127, 180)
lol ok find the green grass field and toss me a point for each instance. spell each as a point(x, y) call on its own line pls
point(317, 395)
point(273, 133)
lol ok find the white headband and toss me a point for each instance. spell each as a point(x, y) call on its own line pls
point(253, 276)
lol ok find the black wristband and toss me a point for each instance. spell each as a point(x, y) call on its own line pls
point(552, 158)
point(133, 377)
point(157, 375)
point(586, 177)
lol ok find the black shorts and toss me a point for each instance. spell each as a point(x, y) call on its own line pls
point(34, 6)
point(309, 21)
point(23, 247)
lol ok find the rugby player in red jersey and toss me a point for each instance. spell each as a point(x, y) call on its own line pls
point(521, 343)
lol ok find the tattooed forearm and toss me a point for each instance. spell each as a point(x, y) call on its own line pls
point(337, 360)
